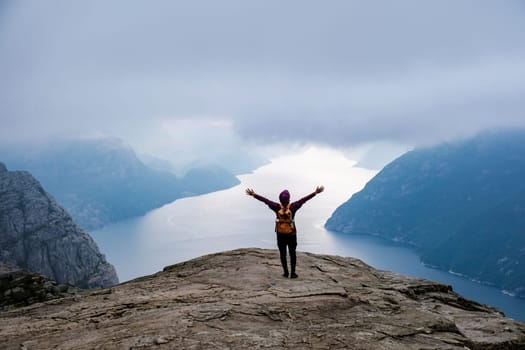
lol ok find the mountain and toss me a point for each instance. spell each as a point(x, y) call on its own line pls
point(238, 300)
point(100, 181)
point(38, 235)
point(205, 179)
point(461, 205)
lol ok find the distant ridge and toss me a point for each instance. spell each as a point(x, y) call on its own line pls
point(38, 235)
point(461, 204)
point(102, 181)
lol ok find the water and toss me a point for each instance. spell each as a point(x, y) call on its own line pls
point(229, 219)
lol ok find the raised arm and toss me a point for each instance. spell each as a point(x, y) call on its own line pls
point(298, 204)
point(273, 205)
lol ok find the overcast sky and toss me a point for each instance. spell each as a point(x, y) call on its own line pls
point(213, 75)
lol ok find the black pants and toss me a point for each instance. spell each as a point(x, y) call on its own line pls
point(290, 241)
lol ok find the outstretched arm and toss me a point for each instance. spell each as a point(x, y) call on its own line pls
point(298, 204)
point(273, 205)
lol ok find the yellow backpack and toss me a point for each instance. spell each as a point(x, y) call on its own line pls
point(284, 222)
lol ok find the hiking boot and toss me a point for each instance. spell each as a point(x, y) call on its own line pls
point(294, 275)
point(285, 274)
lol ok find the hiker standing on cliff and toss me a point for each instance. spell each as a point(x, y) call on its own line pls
point(285, 224)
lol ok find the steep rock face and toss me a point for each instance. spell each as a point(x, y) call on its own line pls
point(462, 205)
point(38, 235)
point(238, 300)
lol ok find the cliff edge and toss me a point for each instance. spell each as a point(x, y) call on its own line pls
point(38, 235)
point(238, 299)
point(461, 205)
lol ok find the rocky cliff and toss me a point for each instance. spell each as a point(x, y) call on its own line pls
point(239, 300)
point(461, 205)
point(38, 235)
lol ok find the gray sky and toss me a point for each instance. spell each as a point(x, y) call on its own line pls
point(211, 76)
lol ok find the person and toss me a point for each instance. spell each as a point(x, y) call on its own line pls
point(289, 238)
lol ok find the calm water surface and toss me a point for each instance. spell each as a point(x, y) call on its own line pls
point(224, 220)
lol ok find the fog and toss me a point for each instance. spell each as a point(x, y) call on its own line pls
point(192, 81)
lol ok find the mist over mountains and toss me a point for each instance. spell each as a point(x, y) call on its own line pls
point(461, 204)
point(100, 181)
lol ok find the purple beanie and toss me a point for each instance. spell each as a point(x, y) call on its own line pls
point(284, 197)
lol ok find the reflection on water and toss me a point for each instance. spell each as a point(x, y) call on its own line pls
point(224, 220)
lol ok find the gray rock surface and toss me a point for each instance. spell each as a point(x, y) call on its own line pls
point(19, 287)
point(38, 235)
point(239, 300)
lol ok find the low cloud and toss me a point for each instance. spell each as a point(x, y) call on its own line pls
point(428, 104)
point(339, 73)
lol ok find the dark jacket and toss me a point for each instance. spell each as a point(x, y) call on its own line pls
point(294, 206)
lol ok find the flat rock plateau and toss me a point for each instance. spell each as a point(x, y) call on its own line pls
point(239, 300)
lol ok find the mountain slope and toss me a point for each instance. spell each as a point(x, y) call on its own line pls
point(461, 205)
point(38, 235)
point(100, 181)
point(238, 300)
